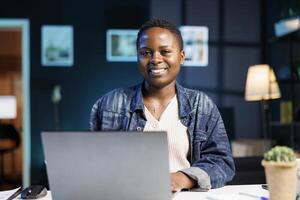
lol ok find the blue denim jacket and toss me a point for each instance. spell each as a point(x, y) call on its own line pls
point(123, 110)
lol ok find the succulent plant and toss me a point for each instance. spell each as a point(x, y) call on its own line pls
point(280, 154)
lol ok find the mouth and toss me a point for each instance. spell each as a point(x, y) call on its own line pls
point(157, 71)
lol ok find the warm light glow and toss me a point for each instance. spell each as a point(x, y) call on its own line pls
point(8, 107)
point(261, 83)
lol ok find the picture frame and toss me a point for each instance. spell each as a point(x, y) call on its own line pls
point(57, 45)
point(121, 45)
point(195, 39)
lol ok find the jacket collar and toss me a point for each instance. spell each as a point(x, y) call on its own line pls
point(185, 107)
point(138, 101)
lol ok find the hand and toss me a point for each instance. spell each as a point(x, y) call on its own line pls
point(180, 181)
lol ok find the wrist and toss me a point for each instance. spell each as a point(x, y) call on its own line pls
point(187, 182)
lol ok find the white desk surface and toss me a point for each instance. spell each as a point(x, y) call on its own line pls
point(230, 192)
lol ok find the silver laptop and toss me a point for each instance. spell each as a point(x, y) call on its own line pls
point(108, 166)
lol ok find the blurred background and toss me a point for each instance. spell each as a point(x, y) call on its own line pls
point(55, 98)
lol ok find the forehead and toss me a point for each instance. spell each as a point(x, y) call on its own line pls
point(158, 35)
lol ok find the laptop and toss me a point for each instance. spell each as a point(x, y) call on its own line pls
point(107, 165)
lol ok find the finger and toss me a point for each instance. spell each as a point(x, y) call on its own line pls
point(175, 188)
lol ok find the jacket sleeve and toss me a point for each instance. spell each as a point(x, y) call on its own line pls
point(94, 118)
point(215, 157)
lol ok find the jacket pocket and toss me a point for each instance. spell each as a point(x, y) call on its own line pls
point(200, 138)
point(112, 121)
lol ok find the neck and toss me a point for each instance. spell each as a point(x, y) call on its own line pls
point(159, 93)
point(157, 99)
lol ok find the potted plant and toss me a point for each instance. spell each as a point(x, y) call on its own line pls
point(280, 169)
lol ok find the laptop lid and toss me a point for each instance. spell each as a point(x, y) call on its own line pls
point(107, 165)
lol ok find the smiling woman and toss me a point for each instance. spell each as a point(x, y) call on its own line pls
point(199, 151)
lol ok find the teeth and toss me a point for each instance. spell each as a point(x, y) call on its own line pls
point(156, 71)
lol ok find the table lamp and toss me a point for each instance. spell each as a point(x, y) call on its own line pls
point(261, 85)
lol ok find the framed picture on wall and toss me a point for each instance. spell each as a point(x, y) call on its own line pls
point(57, 45)
point(120, 45)
point(195, 39)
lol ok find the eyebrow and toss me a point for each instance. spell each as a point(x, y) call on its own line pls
point(160, 47)
point(165, 46)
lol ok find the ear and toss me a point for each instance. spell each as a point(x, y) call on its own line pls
point(182, 56)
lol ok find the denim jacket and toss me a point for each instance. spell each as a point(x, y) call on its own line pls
point(123, 110)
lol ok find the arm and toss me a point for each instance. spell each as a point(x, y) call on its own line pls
point(213, 165)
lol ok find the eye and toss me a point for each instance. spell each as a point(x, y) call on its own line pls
point(145, 52)
point(165, 52)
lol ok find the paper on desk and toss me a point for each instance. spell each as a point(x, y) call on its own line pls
point(7, 193)
point(228, 197)
point(209, 196)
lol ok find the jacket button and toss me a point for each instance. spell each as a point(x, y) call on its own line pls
point(139, 128)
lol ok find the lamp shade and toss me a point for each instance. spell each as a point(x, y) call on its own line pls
point(261, 84)
point(8, 107)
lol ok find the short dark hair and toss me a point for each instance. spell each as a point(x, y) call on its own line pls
point(161, 24)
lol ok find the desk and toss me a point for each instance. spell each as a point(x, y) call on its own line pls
point(226, 192)
point(229, 190)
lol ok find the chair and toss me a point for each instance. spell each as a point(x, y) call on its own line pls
point(227, 114)
point(248, 171)
point(9, 141)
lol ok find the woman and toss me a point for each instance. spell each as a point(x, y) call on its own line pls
point(199, 150)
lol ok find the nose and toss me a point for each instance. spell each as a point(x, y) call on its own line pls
point(156, 58)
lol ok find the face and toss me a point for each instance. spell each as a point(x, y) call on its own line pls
point(159, 57)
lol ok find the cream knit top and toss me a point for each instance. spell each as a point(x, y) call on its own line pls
point(178, 141)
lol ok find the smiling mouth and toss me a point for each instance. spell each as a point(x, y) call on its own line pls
point(157, 72)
